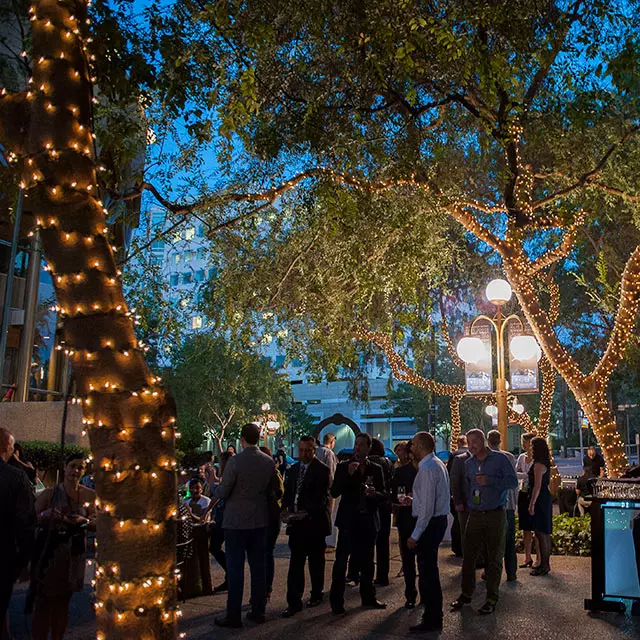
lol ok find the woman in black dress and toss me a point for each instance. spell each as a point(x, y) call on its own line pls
point(540, 505)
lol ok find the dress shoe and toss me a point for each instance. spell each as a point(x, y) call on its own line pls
point(512, 578)
point(410, 604)
point(258, 618)
point(456, 605)
point(486, 608)
point(289, 612)
point(350, 582)
point(375, 604)
point(526, 565)
point(338, 611)
point(314, 602)
point(426, 627)
point(540, 571)
point(225, 622)
point(221, 588)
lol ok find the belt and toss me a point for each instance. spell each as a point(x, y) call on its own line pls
point(487, 510)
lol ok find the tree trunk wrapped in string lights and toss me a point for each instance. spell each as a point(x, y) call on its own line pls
point(128, 417)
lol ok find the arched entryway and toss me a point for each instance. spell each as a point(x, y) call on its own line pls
point(344, 429)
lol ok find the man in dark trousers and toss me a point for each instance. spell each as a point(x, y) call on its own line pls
point(360, 484)
point(244, 487)
point(430, 507)
point(456, 532)
point(17, 522)
point(306, 504)
point(489, 477)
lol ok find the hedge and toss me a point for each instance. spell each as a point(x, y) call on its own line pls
point(570, 537)
point(46, 456)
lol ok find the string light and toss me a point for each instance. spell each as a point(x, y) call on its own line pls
point(135, 443)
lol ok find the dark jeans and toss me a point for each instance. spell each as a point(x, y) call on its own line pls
point(303, 546)
point(456, 532)
point(216, 540)
point(485, 532)
point(238, 543)
point(273, 531)
point(408, 566)
point(201, 550)
point(429, 576)
point(6, 589)
point(382, 547)
point(510, 556)
point(360, 543)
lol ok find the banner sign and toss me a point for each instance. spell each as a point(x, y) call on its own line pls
point(523, 374)
point(479, 375)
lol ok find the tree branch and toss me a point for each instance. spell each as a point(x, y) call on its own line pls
point(550, 58)
point(624, 322)
point(562, 250)
point(586, 178)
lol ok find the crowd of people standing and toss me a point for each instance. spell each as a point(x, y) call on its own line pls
point(236, 513)
point(483, 485)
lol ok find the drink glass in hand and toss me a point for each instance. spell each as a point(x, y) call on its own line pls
point(401, 494)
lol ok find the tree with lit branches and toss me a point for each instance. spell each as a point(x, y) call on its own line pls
point(517, 121)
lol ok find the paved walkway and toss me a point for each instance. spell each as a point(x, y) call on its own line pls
point(532, 608)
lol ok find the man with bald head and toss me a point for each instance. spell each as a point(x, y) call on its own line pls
point(489, 477)
point(430, 506)
point(17, 522)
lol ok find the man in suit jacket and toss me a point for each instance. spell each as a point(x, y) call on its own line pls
point(360, 483)
point(244, 487)
point(17, 522)
point(458, 483)
point(306, 501)
point(456, 533)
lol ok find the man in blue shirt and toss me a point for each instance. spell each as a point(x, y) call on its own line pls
point(430, 506)
point(489, 476)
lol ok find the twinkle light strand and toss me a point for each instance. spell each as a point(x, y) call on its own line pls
point(56, 150)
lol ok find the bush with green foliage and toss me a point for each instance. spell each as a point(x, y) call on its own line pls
point(47, 456)
point(571, 536)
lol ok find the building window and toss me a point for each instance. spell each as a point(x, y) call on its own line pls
point(201, 231)
point(190, 233)
point(173, 279)
point(196, 322)
point(202, 254)
point(177, 257)
point(213, 273)
point(189, 256)
point(200, 275)
point(157, 245)
point(186, 277)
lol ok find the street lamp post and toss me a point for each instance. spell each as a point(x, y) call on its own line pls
point(472, 349)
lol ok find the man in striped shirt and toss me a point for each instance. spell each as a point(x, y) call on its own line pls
point(430, 505)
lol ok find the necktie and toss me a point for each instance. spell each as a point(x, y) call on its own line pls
point(301, 474)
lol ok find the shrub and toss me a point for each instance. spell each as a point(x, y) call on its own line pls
point(571, 536)
point(47, 456)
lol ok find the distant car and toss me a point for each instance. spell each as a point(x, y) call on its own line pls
point(345, 454)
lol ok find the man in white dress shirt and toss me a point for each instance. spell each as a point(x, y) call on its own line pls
point(430, 505)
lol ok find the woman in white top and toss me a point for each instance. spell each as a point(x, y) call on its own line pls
point(525, 521)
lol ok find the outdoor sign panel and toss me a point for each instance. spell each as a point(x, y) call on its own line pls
point(523, 373)
point(479, 375)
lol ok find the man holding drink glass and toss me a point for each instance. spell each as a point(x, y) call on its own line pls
point(360, 484)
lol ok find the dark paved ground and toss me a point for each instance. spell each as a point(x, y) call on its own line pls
point(530, 609)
